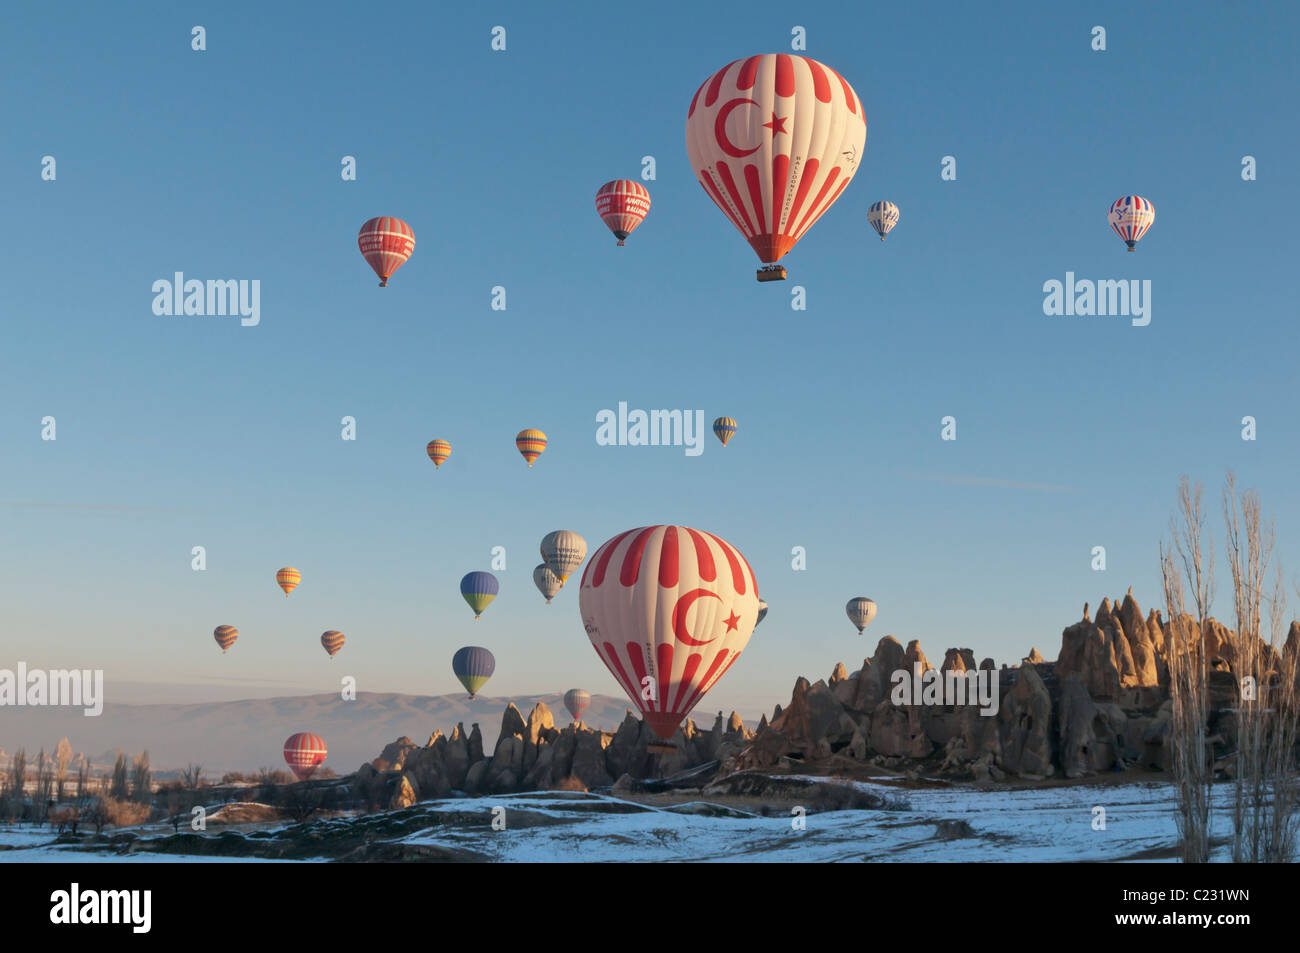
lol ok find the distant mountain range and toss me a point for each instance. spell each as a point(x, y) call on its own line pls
point(249, 734)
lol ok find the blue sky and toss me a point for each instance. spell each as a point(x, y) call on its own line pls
point(175, 432)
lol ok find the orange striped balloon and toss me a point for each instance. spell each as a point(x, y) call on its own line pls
point(438, 451)
point(531, 443)
point(622, 205)
point(225, 636)
point(386, 243)
point(288, 578)
point(333, 641)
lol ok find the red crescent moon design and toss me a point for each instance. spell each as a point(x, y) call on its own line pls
point(679, 615)
point(720, 129)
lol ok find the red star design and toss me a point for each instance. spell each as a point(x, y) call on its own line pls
point(777, 125)
point(731, 623)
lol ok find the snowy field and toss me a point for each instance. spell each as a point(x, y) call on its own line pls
point(943, 824)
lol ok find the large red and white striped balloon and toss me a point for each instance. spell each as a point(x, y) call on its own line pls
point(304, 753)
point(622, 205)
point(774, 139)
point(386, 243)
point(668, 609)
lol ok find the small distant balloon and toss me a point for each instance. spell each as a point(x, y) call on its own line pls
point(622, 205)
point(225, 636)
point(563, 551)
point(1130, 217)
point(724, 428)
point(304, 753)
point(577, 700)
point(288, 578)
point(386, 243)
point(883, 216)
point(530, 443)
point(332, 641)
point(860, 611)
point(479, 589)
point(762, 613)
point(438, 451)
point(547, 582)
point(473, 666)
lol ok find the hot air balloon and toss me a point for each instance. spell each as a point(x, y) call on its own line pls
point(473, 665)
point(774, 139)
point(577, 700)
point(724, 428)
point(333, 641)
point(622, 205)
point(1130, 217)
point(861, 611)
point(288, 578)
point(883, 216)
point(438, 451)
point(479, 589)
point(563, 551)
point(547, 582)
point(762, 612)
point(304, 753)
point(386, 243)
point(669, 608)
point(225, 636)
point(531, 443)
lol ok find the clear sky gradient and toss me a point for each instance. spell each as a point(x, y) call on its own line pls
point(182, 431)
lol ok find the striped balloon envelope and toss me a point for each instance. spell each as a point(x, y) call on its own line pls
point(883, 216)
point(304, 753)
point(479, 589)
point(860, 611)
point(668, 609)
point(288, 578)
point(530, 443)
point(774, 140)
point(386, 243)
point(1130, 217)
point(332, 641)
point(622, 205)
point(473, 666)
point(724, 428)
point(438, 451)
point(225, 636)
point(577, 700)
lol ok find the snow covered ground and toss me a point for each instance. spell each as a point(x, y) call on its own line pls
point(942, 824)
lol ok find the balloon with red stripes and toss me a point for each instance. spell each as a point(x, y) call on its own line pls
point(622, 205)
point(668, 609)
point(304, 753)
point(774, 140)
point(386, 243)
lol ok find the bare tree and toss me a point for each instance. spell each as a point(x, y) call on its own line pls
point(17, 783)
point(1189, 559)
point(117, 788)
point(62, 755)
point(83, 779)
point(1264, 809)
point(141, 779)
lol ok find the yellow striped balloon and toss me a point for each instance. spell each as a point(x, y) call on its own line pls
point(225, 636)
point(333, 641)
point(531, 443)
point(438, 451)
point(724, 428)
point(288, 578)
